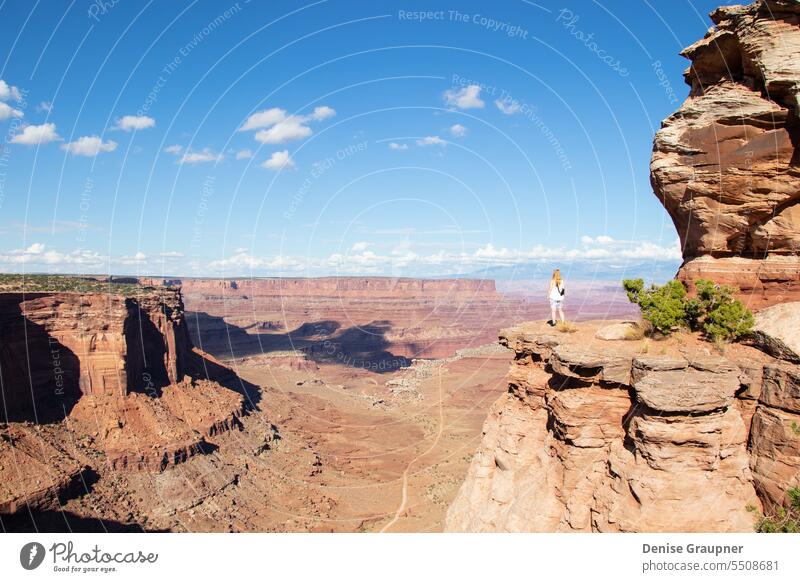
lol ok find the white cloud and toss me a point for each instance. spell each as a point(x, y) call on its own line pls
point(174, 149)
point(264, 118)
point(360, 259)
point(431, 140)
point(277, 127)
point(36, 134)
point(171, 255)
point(135, 122)
point(602, 240)
point(44, 106)
point(241, 259)
point(38, 254)
point(323, 112)
point(289, 129)
point(458, 130)
point(244, 155)
point(279, 161)
point(89, 146)
point(9, 92)
point(507, 106)
point(201, 157)
point(6, 111)
point(398, 146)
point(466, 98)
point(136, 259)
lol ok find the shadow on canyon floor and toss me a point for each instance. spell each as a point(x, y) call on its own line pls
point(364, 346)
point(56, 521)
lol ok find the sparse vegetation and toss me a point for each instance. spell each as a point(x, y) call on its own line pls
point(783, 519)
point(664, 306)
point(566, 327)
point(69, 284)
point(713, 310)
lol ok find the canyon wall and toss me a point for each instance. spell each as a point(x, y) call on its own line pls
point(370, 287)
point(603, 436)
point(56, 347)
point(359, 321)
point(726, 165)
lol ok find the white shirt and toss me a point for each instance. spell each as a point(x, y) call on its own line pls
point(555, 291)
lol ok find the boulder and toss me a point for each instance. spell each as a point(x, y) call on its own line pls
point(777, 331)
point(626, 330)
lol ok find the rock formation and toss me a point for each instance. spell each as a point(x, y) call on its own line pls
point(726, 165)
point(598, 435)
point(56, 347)
point(98, 383)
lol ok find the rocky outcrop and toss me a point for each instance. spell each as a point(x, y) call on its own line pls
point(98, 384)
point(56, 347)
point(603, 436)
point(777, 331)
point(726, 164)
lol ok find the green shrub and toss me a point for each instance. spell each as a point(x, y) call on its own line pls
point(663, 306)
point(784, 519)
point(713, 310)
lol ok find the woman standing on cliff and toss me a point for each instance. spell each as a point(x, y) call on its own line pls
point(556, 296)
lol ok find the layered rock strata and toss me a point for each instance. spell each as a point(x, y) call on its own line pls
point(56, 347)
point(94, 384)
point(599, 436)
point(726, 164)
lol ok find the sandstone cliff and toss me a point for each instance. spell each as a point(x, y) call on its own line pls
point(726, 164)
point(56, 347)
point(600, 436)
point(94, 384)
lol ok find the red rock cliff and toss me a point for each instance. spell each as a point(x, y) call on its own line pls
point(726, 164)
point(56, 347)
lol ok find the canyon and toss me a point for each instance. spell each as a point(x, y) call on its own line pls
point(246, 405)
point(356, 404)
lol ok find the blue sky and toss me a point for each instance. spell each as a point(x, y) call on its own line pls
point(335, 137)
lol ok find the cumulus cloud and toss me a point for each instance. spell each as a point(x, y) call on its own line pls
point(276, 126)
point(279, 161)
point(466, 98)
point(135, 122)
point(289, 129)
point(458, 130)
point(44, 107)
point(36, 134)
point(430, 141)
point(398, 146)
point(243, 260)
point(201, 157)
point(39, 254)
point(264, 118)
point(89, 146)
point(6, 111)
point(601, 240)
point(136, 259)
point(8, 92)
point(244, 155)
point(507, 106)
point(360, 258)
point(174, 149)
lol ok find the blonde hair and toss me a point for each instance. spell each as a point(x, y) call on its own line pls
point(557, 277)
